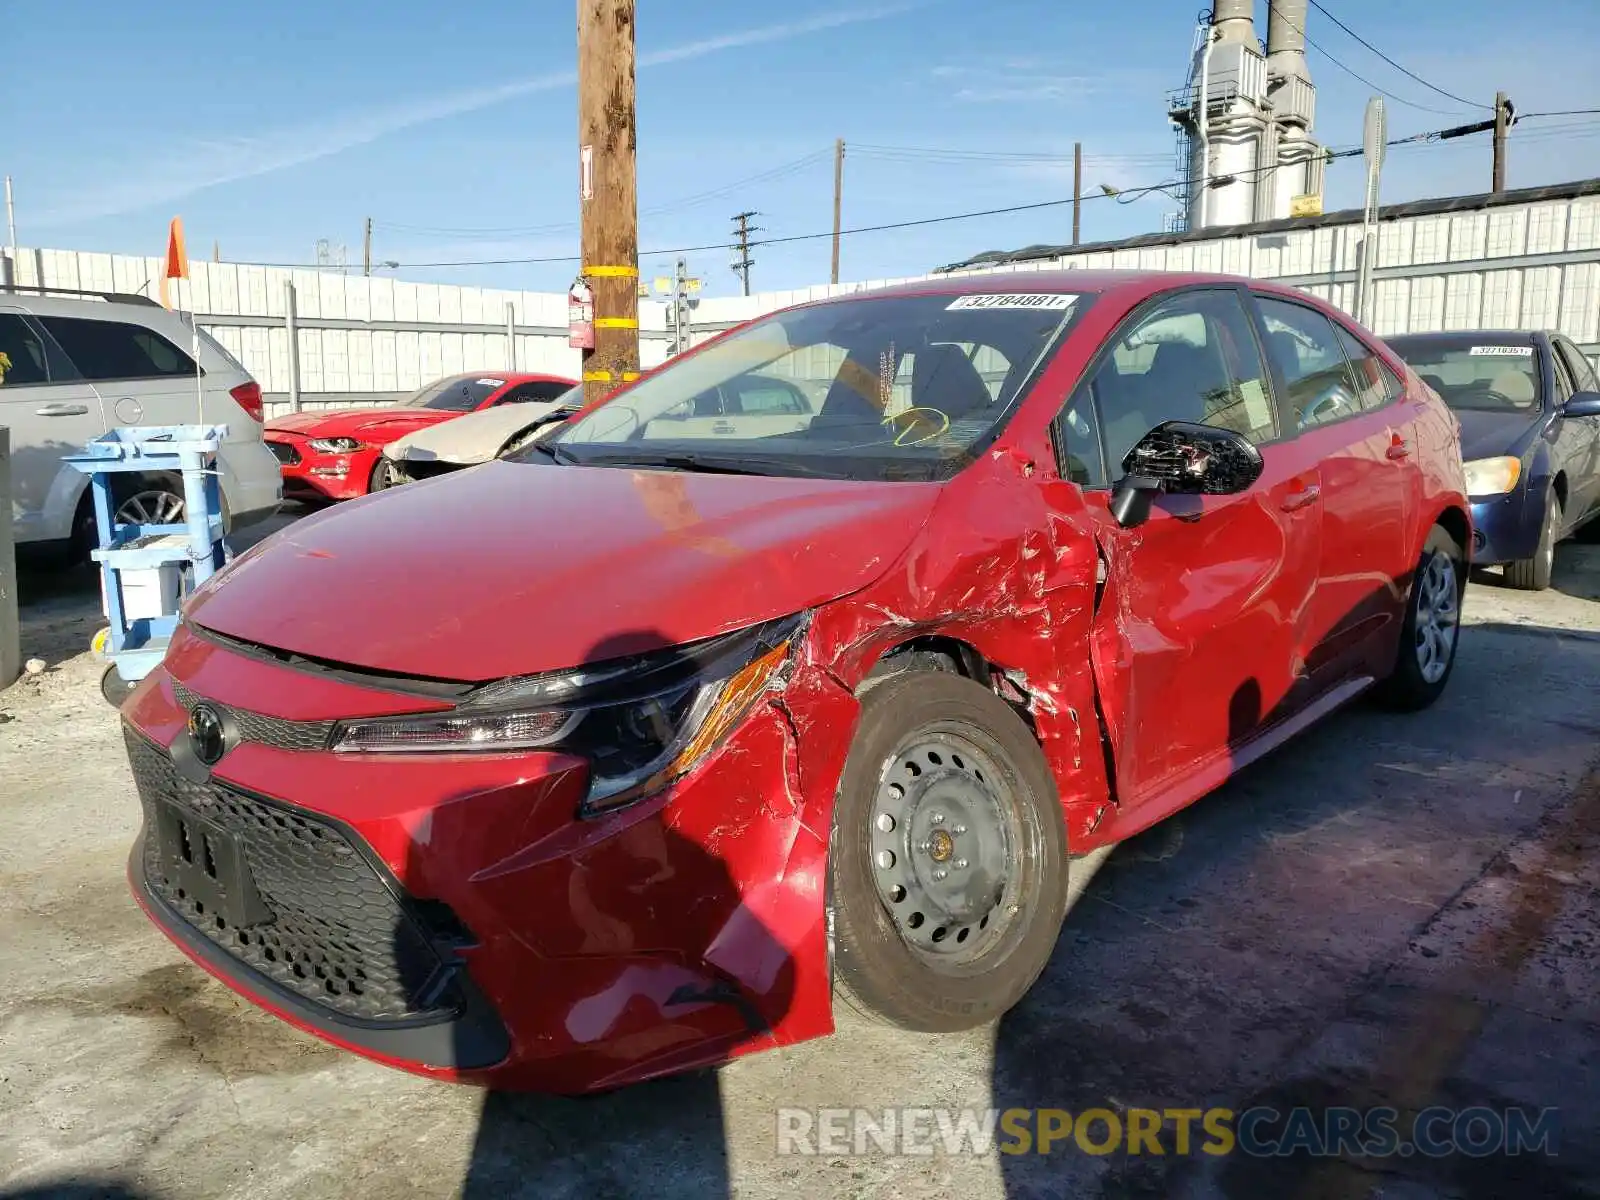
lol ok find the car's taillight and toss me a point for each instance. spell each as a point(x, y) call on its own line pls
point(248, 396)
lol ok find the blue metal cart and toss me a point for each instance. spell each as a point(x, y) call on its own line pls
point(147, 571)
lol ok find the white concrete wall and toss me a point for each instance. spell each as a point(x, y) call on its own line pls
point(369, 336)
point(1530, 265)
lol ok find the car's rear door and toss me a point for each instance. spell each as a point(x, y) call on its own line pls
point(1200, 627)
point(51, 413)
point(143, 377)
point(1352, 418)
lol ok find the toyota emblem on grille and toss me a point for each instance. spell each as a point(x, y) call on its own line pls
point(206, 734)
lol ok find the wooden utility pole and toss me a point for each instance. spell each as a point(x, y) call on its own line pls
point(608, 191)
point(366, 249)
point(742, 229)
point(1077, 187)
point(838, 201)
point(1501, 124)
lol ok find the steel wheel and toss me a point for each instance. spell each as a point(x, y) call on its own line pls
point(1438, 617)
point(945, 837)
point(153, 506)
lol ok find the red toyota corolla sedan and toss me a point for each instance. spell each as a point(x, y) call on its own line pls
point(337, 453)
point(810, 699)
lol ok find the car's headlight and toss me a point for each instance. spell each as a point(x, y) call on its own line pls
point(338, 445)
point(1492, 476)
point(640, 722)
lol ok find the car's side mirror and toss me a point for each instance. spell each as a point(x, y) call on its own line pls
point(1582, 404)
point(1183, 458)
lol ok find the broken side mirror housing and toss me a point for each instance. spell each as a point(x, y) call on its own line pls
point(1183, 458)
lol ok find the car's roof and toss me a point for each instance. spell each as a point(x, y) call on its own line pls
point(1066, 280)
point(1513, 337)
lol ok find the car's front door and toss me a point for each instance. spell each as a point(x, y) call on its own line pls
point(1583, 481)
point(1201, 624)
point(51, 413)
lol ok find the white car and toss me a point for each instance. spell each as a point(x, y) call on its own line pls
point(478, 437)
point(79, 364)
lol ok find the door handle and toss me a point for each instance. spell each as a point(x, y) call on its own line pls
point(63, 410)
point(1298, 500)
point(1399, 448)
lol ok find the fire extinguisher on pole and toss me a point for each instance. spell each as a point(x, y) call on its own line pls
point(580, 315)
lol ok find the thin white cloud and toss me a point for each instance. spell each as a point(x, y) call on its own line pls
point(213, 162)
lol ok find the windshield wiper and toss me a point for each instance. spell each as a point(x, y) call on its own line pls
point(742, 465)
point(553, 450)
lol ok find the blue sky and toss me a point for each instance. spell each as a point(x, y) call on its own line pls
point(270, 126)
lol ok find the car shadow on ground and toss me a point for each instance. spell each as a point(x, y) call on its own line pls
point(1158, 1000)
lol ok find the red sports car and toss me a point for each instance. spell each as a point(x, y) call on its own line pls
point(337, 454)
point(807, 698)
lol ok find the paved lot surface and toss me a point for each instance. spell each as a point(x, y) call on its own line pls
point(1392, 911)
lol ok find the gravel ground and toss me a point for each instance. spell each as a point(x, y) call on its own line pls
point(1392, 910)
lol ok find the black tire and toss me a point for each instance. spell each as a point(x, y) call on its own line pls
point(1533, 574)
point(1412, 685)
point(951, 981)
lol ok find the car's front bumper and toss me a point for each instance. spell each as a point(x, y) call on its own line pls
point(311, 475)
point(1506, 528)
point(587, 954)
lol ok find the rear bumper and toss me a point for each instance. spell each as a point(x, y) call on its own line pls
point(250, 482)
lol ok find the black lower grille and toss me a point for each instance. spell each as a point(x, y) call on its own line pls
point(284, 452)
point(290, 895)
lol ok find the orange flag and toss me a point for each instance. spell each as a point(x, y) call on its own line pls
point(177, 256)
point(177, 259)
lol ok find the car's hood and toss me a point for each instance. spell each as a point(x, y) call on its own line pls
point(474, 438)
point(1490, 434)
point(386, 423)
point(512, 568)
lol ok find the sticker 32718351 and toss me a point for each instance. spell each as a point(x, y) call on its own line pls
point(1039, 301)
point(1497, 351)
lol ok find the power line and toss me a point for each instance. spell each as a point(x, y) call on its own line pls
point(938, 154)
point(468, 233)
point(1272, 7)
point(1432, 138)
point(1395, 65)
point(1569, 112)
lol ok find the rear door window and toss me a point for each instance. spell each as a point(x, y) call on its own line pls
point(24, 360)
point(1320, 386)
point(1375, 383)
point(106, 350)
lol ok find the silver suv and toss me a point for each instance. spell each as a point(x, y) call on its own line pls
point(82, 363)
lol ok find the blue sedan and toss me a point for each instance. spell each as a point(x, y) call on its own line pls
point(1529, 407)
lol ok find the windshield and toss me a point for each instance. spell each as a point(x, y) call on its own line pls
point(458, 393)
point(894, 387)
point(1474, 372)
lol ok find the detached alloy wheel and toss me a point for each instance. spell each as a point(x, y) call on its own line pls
point(1432, 629)
point(948, 873)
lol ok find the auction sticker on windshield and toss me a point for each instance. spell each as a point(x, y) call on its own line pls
point(1035, 300)
point(1513, 351)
